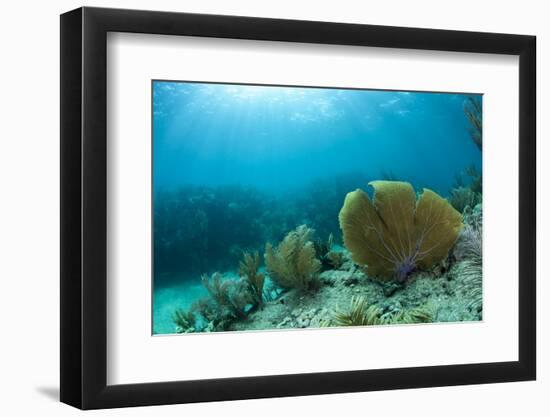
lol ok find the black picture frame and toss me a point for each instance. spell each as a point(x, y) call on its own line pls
point(84, 207)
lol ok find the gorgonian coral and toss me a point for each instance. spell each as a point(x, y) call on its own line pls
point(184, 321)
point(469, 251)
point(248, 269)
point(360, 313)
point(396, 234)
point(474, 113)
point(328, 257)
point(231, 295)
point(292, 264)
point(463, 197)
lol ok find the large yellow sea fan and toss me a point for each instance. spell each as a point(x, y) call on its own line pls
point(394, 234)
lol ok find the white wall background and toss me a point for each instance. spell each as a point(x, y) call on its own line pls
point(29, 177)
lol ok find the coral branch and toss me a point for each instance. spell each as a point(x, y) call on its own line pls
point(292, 264)
point(248, 269)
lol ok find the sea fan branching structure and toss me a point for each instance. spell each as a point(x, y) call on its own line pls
point(184, 321)
point(292, 264)
point(473, 111)
point(395, 234)
point(462, 197)
point(248, 269)
point(230, 295)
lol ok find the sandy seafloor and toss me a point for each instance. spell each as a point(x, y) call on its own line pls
point(441, 289)
point(168, 299)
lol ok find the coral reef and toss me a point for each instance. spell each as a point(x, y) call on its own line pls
point(473, 111)
point(362, 314)
point(476, 181)
point(292, 264)
point(201, 229)
point(394, 234)
point(250, 239)
point(208, 315)
point(329, 257)
point(184, 321)
point(322, 247)
point(463, 197)
point(248, 269)
point(473, 216)
point(358, 314)
point(421, 314)
point(231, 296)
point(422, 299)
point(204, 229)
point(469, 250)
point(336, 259)
point(468, 284)
point(386, 238)
point(469, 244)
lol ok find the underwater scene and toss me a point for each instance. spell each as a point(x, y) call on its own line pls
point(281, 207)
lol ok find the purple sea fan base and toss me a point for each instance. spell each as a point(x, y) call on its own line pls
point(404, 269)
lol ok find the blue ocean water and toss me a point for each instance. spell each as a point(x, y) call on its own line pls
point(235, 166)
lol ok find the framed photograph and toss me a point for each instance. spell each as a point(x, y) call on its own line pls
point(257, 207)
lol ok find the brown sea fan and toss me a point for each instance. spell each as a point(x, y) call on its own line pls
point(248, 269)
point(395, 234)
point(292, 264)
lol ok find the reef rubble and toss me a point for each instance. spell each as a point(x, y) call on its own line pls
point(309, 283)
point(296, 310)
